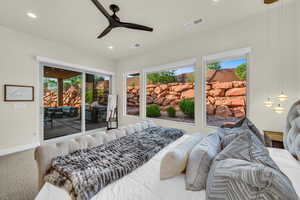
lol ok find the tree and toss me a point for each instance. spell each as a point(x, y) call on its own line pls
point(215, 66)
point(241, 71)
point(162, 77)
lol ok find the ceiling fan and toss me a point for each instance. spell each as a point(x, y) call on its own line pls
point(270, 1)
point(114, 20)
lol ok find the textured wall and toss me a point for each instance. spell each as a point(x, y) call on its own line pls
point(18, 176)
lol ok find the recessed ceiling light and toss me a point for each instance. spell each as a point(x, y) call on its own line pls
point(216, 1)
point(31, 15)
point(111, 47)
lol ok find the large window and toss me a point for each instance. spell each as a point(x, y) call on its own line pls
point(63, 105)
point(133, 94)
point(170, 94)
point(226, 91)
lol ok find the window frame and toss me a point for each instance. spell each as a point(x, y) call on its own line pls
point(226, 55)
point(44, 61)
point(125, 75)
point(170, 66)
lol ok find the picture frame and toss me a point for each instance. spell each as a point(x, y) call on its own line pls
point(18, 93)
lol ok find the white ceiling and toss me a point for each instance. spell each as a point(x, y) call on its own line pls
point(77, 22)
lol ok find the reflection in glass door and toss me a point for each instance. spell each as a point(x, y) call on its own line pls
point(96, 96)
point(62, 102)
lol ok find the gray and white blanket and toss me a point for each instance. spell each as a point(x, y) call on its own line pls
point(84, 173)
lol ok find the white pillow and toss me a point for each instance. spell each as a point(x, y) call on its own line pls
point(130, 129)
point(151, 123)
point(175, 160)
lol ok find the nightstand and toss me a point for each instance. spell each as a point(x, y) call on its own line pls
point(276, 138)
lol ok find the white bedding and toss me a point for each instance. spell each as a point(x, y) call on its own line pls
point(144, 183)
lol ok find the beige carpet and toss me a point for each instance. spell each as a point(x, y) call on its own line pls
point(18, 176)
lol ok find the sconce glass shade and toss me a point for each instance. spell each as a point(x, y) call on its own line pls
point(268, 103)
point(279, 109)
point(282, 97)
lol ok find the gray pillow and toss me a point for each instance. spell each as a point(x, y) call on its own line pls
point(247, 124)
point(242, 180)
point(200, 160)
point(247, 147)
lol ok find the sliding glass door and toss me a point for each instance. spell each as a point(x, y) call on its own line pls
point(63, 106)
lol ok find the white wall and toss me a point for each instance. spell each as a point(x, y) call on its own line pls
point(265, 72)
point(18, 66)
point(298, 52)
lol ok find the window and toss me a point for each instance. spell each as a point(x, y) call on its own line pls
point(170, 94)
point(96, 95)
point(63, 105)
point(226, 90)
point(133, 94)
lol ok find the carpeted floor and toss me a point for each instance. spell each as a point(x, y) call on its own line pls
point(18, 176)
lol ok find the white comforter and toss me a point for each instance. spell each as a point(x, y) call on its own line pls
point(144, 183)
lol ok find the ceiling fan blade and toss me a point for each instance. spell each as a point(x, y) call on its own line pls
point(101, 8)
point(135, 26)
point(270, 1)
point(105, 32)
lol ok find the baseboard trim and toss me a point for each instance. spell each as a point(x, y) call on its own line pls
point(4, 152)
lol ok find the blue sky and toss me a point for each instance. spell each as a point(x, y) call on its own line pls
point(232, 63)
point(224, 64)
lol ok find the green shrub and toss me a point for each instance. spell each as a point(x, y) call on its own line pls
point(187, 106)
point(215, 65)
point(241, 72)
point(171, 111)
point(153, 110)
point(162, 77)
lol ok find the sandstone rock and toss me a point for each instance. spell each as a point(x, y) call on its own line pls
point(157, 90)
point(238, 84)
point(151, 86)
point(210, 109)
point(149, 100)
point(223, 85)
point(212, 100)
point(223, 101)
point(163, 94)
point(159, 101)
point(217, 92)
point(164, 87)
point(239, 112)
point(171, 97)
point(223, 111)
point(188, 94)
point(237, 101)
point(208, 87)
point(236, 92)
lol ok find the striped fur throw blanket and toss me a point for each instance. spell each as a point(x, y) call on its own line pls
point(84, 173)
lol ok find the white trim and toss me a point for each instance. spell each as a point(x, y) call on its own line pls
point(179, 64)
point(44, 61)
point(17, 149)
point(244, 52)
point(125, 75)
point(176, 65)
point(82, 68)
point(227, 54)
point(172, 121)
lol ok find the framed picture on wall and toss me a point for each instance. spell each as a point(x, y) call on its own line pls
point(17, 93)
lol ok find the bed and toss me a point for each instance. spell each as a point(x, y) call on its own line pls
point(144, 183)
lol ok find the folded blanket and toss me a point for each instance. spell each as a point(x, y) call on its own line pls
point(84, 173)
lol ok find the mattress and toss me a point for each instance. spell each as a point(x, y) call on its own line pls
point(144, 183)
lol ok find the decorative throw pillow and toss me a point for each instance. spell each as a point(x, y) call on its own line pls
point(174, 161)
point(200, 160)
point(233, 179)
point(130, 129)
point(228, 135)
point(247, 147)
